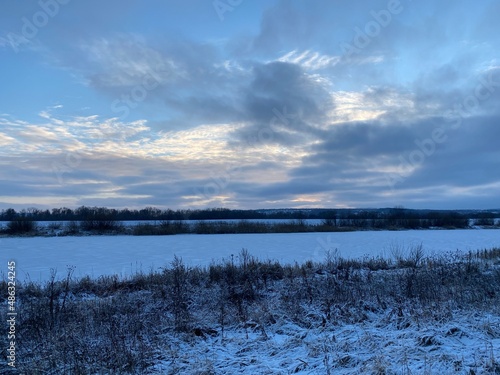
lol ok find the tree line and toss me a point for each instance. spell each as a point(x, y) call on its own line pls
point(335, 218)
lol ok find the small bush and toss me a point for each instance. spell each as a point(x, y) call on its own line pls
point(100, 225)
point(72, 228)
point(21, 226)
point(485, 222)
point(145, 230)
point(164, 228)
point(54, 226)
point(411, 257)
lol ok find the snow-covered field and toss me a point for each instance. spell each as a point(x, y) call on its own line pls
point(365, 334)
point(125, 255)
point(462, 344)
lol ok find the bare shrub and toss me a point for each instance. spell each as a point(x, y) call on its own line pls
point(21, 226)
point(72, 228)
point(180, 295)
point(407, 257)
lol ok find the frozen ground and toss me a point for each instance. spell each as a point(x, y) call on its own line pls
point(465, 343)
point(373, 328)
point(125, 255)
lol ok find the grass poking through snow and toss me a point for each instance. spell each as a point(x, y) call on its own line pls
point(412, 314)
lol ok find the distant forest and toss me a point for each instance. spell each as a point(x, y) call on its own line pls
point(354, 218)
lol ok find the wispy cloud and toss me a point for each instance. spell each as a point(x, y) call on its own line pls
point(310, 60)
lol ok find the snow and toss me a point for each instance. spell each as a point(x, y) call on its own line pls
point(465, 343)
point(461, 341)
point(126, 255)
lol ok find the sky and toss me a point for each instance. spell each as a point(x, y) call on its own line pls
point(250, 103)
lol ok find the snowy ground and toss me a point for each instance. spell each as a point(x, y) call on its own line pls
point(125, 255)
point(371, 325)
point(467, 343)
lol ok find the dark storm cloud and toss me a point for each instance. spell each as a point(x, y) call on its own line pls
point(344, 165)
point(283, 105)
point(194, 85)
point(370, 139)
point(204, 109)
point(470, 157)
point(286, 190)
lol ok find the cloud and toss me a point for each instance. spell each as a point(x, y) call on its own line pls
point(259, 110)
point(6, 140)
point(284, 105)
point(309, 59)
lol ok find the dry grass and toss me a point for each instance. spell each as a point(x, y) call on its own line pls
point(119, 326)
